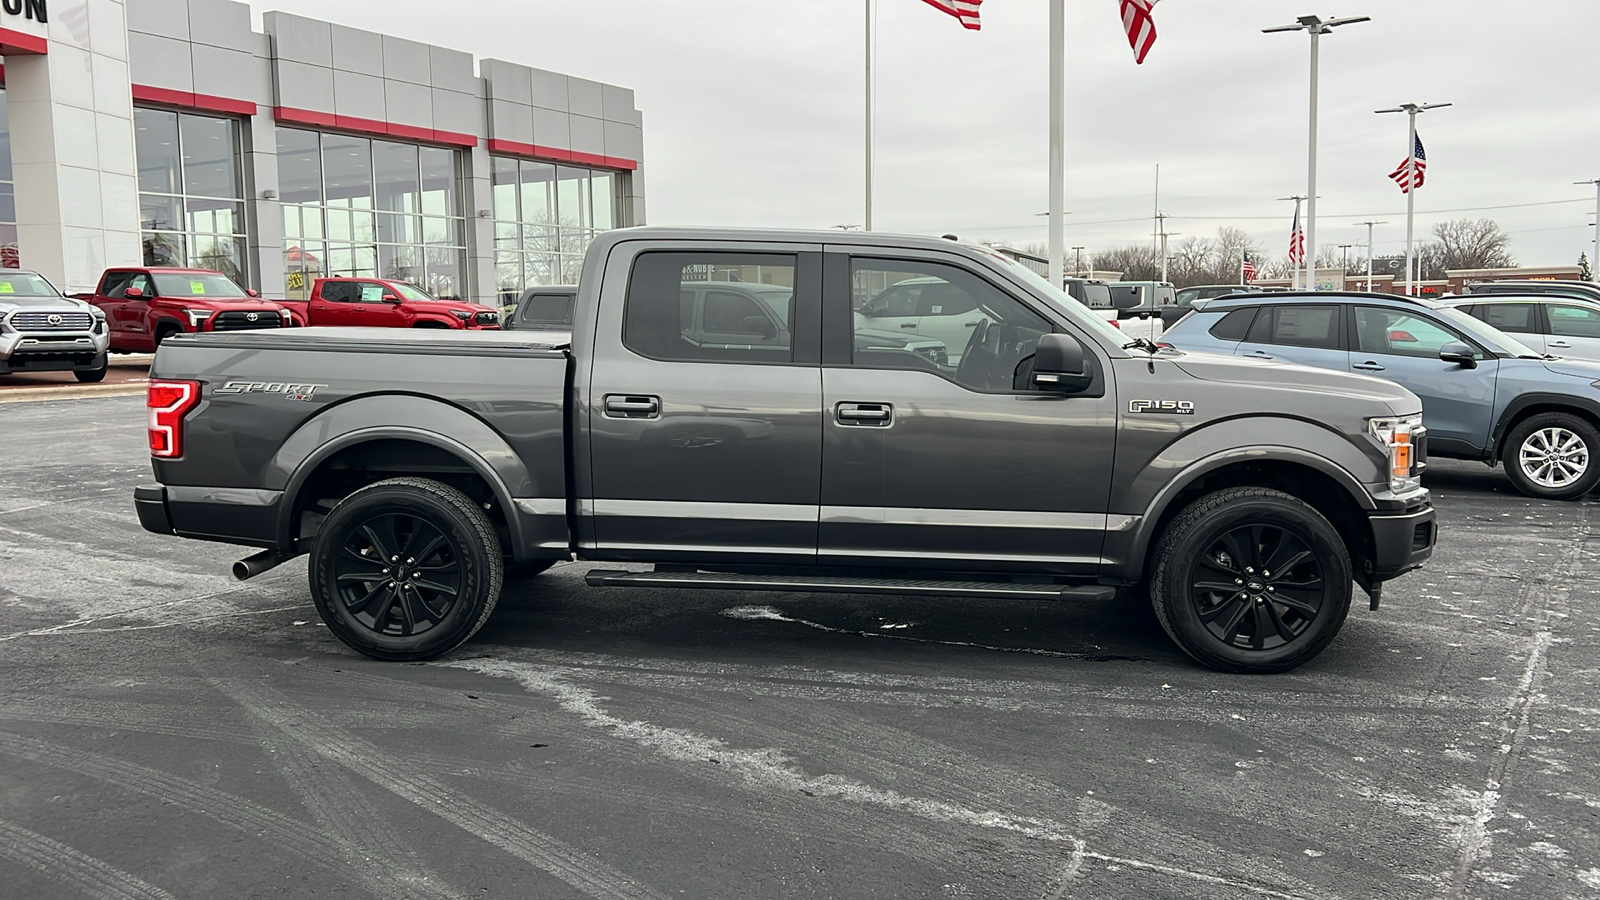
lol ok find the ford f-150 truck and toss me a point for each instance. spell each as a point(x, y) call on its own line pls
point(381, 303)
point(674, 428)
point(146, 305)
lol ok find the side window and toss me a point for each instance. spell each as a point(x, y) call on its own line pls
point(369, 291)
point(115, 284)
point(143, 282)
point(338, 291)
point(994, 355)
point(1513, 318)
point(1574, 321)
point(547, 309)
point(944, 300)
point(1306, 326)
point(733, 323)
point(1401, 334)
point(1235, 325)
point(894, 302)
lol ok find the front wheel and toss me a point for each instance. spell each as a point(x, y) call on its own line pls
point(92, 376)
point(1251, 580)
point(1552, 456)
point(406, 569)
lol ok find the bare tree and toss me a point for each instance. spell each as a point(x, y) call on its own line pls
point(1136, 262)
point(1472, 244)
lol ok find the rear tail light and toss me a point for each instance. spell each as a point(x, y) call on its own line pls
point(1116, 324)
point(169, 402)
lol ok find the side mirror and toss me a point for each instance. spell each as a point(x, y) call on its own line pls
point(251, 292)
point(1457, 352)
point(133, 293)
point(392, 298)
point(760, 325)
point(1059, 364)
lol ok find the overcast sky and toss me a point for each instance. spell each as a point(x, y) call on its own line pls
point(753, 111)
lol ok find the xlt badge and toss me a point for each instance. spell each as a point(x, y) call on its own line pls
point(1162, 407)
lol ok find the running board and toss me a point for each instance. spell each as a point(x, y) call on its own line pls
point(841, 585)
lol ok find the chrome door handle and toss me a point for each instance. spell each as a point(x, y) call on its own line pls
point(632, 406)
point(1368, 366)
point(872, 415)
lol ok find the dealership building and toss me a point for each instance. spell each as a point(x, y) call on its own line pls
point(171, 132)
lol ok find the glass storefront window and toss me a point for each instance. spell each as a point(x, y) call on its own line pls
point(8, 197)
point(369, 208)
point(191, 191)
point(545, 217)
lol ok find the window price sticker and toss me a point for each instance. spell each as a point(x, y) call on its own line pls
point(197, 287)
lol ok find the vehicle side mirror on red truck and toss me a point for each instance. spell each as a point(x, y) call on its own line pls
point(134, 293)
point(392, 298)
point(251, 292)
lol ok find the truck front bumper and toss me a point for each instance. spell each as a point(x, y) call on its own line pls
point(1401, 541)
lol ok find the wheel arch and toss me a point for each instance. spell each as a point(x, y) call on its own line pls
point(1323, 484)
point(1529, 405)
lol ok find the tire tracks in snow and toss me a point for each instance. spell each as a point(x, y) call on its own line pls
point(64, 865)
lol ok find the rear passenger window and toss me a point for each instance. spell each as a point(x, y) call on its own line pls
point(1235, 325)
point(1574, 321)
point(1303, 326)
point(1516, 318)
point(709, 307)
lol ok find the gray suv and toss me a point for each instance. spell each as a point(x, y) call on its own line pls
point(42, 331)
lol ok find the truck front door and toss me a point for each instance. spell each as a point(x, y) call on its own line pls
point(962, 466)
point(704, 442)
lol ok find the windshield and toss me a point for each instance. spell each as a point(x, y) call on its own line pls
point(411, 291)
point(196, 284)
point(25, 284)
point(1487, 335)
point(1062, 300)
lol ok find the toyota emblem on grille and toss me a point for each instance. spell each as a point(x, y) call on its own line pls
point(54, 319)
point(251, 316)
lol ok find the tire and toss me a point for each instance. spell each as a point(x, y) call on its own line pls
point(1552, 456)
point(1247, 621)
point(91, 376)
point(437, 540)
point(165, 331)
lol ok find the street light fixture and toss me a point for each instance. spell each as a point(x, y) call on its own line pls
point(1316, 27)
point(1411, 110)
point(1077, 260)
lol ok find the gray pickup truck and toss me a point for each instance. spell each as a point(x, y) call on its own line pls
point(671, 427)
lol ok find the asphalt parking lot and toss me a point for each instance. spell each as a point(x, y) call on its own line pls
point(166, 731)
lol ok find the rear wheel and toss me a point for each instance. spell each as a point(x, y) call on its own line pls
point(406, 569)
point(1552, 456)
point(1251, 580)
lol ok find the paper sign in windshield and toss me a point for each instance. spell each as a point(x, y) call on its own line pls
point(197, 287)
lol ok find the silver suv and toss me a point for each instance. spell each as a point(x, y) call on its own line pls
point(42, 331)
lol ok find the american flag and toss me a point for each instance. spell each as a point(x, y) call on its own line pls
point(1297, 240)
point(1140, 26)
point(1402, 172)
point(1248, 270)
point(965, 10)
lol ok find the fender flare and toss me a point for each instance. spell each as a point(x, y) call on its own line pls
point(1138, 544)
point(431, 321)
point(1502, 425)
point(399, 417)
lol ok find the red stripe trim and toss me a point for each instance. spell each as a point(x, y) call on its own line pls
point(16, 43)
point(555, 154)
point(292, 116)
point(144, 93)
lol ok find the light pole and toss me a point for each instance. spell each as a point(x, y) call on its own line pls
point(1411, 110)
point(1345, 261)
point(1369, 250)
point(1594, 261)
point(1077, 260)
point(1316, 27)
point(1058, 141)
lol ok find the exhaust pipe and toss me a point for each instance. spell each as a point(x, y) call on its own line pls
point(251, 566)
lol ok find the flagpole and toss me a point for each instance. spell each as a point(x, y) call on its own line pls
point(1058, 186)
point(1411, 200)
point(868, 221)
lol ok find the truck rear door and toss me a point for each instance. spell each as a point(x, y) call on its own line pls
point(704, 444)
point(960, 466)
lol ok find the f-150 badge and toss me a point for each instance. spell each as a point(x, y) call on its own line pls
point(1162, 407)
point(292, 391)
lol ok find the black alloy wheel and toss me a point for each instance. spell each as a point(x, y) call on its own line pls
point(1251, 579)
point(1257, 587)
point(398, 574)
point(406, 569)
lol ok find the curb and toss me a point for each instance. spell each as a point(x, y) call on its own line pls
point(73, 392)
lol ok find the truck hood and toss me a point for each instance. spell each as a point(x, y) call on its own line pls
point(59, 304)
point(226, 304)
point(1292, 376)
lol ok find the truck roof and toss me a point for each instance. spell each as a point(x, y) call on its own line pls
point(789, 235)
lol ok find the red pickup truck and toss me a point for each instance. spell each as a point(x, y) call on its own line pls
point(379, 303)
point(145, 305)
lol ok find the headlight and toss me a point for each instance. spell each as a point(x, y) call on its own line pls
point(462, 314)
point(285, 318)
point(1399, 436)
point(197, 316)
point(99, 322)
